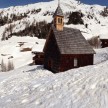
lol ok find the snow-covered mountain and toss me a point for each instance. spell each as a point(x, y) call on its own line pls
point(16, 19)
point(19, 16)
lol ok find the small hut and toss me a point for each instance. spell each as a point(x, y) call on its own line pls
point(104, 40)
point(37, 50)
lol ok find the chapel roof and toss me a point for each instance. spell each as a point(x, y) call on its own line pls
point(71, 41)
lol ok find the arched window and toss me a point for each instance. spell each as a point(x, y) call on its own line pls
point(60, 20)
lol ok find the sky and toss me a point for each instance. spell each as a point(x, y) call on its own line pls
point(100, 2)
point(7, 3)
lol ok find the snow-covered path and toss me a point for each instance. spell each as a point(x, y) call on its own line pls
point(34, 87)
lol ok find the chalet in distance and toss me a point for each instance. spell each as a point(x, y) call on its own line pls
point(39, 55)
point(65, 48)
point(104, 40)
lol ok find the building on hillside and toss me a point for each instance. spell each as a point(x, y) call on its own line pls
point(37, 50)
point(65, 48)
point(104, 40)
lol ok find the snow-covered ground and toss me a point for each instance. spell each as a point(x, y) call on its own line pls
point(35, 87)
point(18, 50)
point(101, 55)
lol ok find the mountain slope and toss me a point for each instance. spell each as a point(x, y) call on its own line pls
point(22, 16)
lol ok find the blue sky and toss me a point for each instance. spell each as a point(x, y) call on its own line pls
point(101, 2)
point(7, 3)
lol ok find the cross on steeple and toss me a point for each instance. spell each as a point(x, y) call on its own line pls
point(58, 2)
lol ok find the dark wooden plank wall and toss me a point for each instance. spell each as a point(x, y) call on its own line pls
point(38, 58)
point(52, 55)
point(67, 61)
point(104, 43)
point(56, 62)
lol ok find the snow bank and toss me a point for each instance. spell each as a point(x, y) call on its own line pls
point(19, 50)
point(34, 87)
point(101, 55)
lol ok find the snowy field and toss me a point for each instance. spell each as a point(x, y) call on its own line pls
point(18, 50)
point(34, 87)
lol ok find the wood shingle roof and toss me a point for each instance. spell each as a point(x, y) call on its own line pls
point(71, 41)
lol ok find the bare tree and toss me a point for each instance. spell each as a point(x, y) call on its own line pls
point(95, 42)
point(3, 66)
point(10, 66)
point(3, 35)
point(10, 30)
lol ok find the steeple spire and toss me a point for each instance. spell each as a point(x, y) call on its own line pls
point(58, 11)
point(58, 16)
point(58, 2)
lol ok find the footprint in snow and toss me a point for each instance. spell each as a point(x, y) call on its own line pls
point(24, 101)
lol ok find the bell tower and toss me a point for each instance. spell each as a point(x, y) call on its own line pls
point(58, 18)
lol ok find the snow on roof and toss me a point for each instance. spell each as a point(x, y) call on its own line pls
point(38, 47)
point(103, 36)
point(87, 35)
